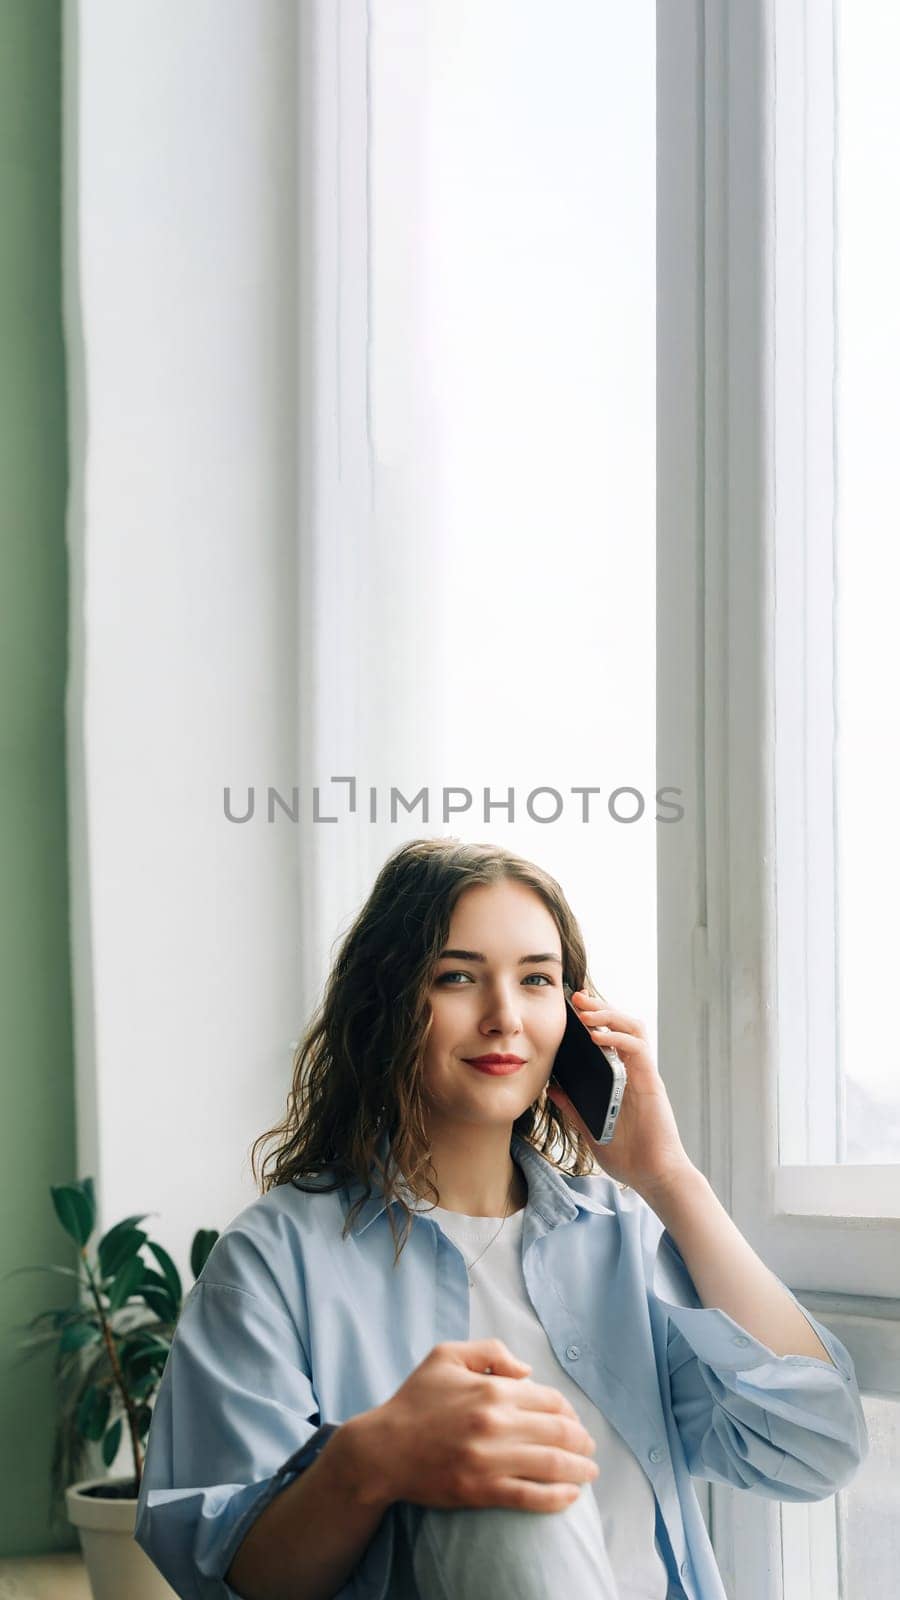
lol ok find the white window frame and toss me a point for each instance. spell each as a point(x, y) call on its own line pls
point(820, 1183)
point(728, 423)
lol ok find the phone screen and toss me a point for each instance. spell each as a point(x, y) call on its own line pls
point(594, 1081)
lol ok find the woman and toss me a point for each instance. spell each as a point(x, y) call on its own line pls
point(348, 1412)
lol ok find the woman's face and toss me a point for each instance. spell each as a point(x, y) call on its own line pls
point(500, 1005)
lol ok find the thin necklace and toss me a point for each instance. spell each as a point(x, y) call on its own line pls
point(470, 1264)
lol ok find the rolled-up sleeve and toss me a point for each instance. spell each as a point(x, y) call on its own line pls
point(785, 1427)
point(235, 1401)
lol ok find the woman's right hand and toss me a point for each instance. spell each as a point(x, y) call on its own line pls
point(454, 1435)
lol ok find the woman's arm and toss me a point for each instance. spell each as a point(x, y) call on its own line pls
point(236, 1401)
point(307, 1541)
point(750, 1409)
point(726, 1270)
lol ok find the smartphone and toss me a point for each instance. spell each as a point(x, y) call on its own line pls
point(593, 1078)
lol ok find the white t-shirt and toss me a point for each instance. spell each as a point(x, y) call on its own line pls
point(499, 1307)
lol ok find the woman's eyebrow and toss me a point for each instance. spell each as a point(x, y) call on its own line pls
point(475, 955)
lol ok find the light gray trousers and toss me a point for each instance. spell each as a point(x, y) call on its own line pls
point(492, 1553)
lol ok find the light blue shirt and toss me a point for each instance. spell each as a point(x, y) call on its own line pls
point(290, 1325)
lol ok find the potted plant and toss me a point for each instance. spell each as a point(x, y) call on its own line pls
point(110, 1347)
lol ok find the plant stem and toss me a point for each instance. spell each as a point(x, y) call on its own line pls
point(117, 1373)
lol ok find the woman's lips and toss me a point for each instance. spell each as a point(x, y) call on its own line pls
point(497, 1069)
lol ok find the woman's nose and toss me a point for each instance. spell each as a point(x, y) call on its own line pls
point(501, 1011)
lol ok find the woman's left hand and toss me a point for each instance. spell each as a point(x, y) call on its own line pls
point(645, 1151)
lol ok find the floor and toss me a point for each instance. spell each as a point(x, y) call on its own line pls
point(61, 1577)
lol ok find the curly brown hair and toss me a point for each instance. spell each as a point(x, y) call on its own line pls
point(357, 1072)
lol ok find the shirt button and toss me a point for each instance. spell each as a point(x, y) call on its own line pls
point(573, 1351)
point(739, 1339)
point(656, 1454)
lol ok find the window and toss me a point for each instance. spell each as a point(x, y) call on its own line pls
point(778, 335)
point(837, 340)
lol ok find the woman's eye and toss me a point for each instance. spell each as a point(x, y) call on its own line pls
point(544, 979)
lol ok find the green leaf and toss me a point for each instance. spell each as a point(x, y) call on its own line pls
point(124, 1226)
point(93, 1413)
point(140, 1343)
point(111, 1443)
point(142, 1387)
point(74, 1209)
point(138, 1352)
point(170, 1272)
point(204, 1239)
point(77, 1335)
point(34, 1347)
point(59, 1319)
point(112, 1251)
point(142, 1418)
point(159, 1301)
point(39, 1336)
point(126, 1282)
point(146, 1333)
point(136, 1367)
point(67, 1272)
point(155, 1281)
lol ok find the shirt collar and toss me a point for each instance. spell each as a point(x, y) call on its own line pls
point(551, 1192)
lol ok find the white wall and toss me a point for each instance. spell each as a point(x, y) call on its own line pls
point(180, 241)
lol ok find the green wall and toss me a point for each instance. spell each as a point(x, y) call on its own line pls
point(37, 1110)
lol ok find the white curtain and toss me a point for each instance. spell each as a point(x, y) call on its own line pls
point(360, 320)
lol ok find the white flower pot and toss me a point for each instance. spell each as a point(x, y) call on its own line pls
point(118, 1568)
